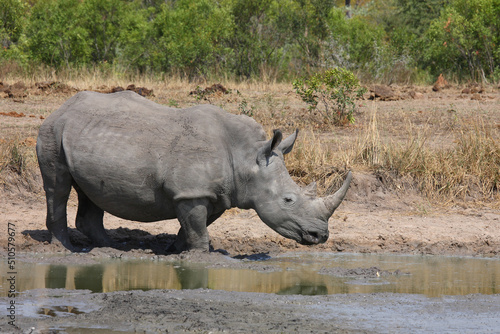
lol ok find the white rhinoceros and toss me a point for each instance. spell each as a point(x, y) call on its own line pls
point(142, 161)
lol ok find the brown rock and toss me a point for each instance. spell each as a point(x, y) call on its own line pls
point(3, 86)
point(214, 89)
point(382, 92)
point(476, 96)
point(415, 95)
point(18, 86)
point(44, 85)
point(473, 88)
point(17, 91)
point(12, 114)
point(55, 87)
point(143, 91)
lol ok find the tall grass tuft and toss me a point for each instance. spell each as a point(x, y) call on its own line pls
point(469, 170)
point(466, 170)
point(18, 163)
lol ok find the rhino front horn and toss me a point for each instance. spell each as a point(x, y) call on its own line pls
point(332, 202)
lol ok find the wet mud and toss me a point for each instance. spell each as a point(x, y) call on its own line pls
point(204, 293)
point(209, 311)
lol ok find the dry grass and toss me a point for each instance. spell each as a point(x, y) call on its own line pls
point(404, 145)
point(17, 155)
point(467, 170)
point(18, 164)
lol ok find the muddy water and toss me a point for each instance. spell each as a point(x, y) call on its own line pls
point(294, 273)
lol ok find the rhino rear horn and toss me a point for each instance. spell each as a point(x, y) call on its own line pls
point(332, 202)
point(311, 189)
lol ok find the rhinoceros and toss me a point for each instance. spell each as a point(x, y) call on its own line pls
point(146, 162)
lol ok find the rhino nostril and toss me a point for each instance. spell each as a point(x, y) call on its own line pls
point(314, 237)
point(311, 237)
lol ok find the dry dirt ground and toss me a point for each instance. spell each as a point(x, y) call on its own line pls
point(373, 218)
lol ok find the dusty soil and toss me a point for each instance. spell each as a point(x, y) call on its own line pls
point(373, 218)
point(357, 226)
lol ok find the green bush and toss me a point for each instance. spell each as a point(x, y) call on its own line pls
point(55, 36)
point(383, 41)
point(190, 36)
point(12, 20)
point(332, 93)
point(102, 21)
point(464, 41)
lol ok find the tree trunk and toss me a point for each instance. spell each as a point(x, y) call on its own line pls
point(348, 8)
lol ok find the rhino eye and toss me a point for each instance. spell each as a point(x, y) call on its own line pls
point(289, 200)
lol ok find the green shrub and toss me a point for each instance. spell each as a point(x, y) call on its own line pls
point(190, 36)
point(332, 93)
point(464, 40)
point(55, 36)
point(12, 20)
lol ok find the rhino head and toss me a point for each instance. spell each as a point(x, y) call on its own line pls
point(294, 212)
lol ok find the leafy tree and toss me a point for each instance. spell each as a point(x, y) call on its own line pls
point(465, 39)
point(135, 40)
point(12, 18)
point(306, 25)
point(54, 34)
point(275, 38)
point(103, 21)
point(282, 35)
point(190, 36)
point(354, 43)
point(252, 39)
point(416, 15)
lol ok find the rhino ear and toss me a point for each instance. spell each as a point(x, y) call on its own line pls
point(286, 145)
point(267, 150)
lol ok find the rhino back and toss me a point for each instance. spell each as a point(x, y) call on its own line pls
point(135, 158)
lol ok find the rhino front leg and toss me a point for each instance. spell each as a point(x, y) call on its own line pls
point(193, 234)
point(181, 237)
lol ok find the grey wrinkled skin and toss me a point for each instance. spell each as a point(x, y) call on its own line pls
point(142, 161)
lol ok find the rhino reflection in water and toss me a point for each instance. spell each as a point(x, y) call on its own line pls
point(142, 161)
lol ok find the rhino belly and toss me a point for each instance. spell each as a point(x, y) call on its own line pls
point(127, 188)
point(126, 197)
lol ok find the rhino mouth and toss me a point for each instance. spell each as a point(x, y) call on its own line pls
point(313, 238)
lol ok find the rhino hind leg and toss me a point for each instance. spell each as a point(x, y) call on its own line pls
point(57, 186)
point(56, 221)
point(89, 220)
